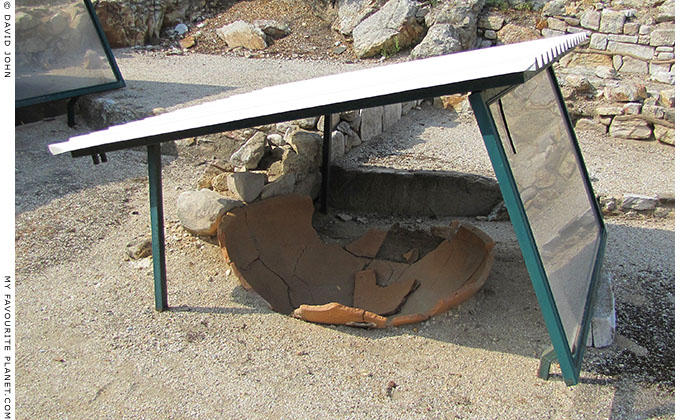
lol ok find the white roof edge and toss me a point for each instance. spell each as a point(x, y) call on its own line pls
point(323, 91)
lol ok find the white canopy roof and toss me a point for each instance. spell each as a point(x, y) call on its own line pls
point(454, 73)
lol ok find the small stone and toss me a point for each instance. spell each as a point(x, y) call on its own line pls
point(608, 205)
point(220, 182)
point(339, 49)
point(665, 134)
point(631, 28)
point(667, 98)
point(276, 139)
point(139, 247)
point(585, 124)
point(639, 202)
point(187, 42)
point(344, 217)
point(181, 29)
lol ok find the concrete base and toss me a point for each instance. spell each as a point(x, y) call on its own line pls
point(603, 327)
point(418, 193)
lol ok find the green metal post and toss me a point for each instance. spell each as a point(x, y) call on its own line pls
point(548, 356)
point(157, 228)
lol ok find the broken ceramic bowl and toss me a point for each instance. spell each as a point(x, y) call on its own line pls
point(384, 278)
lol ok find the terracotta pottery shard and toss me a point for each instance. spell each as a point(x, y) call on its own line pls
point(368, 245)
point(399, 241)
point(448, 275)
point(412, 255)
point(380, 300)
point(273, 249)
point(336, 313)
point(387, 272)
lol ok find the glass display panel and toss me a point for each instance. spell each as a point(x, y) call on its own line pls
point(58, 49)
point(545, 165)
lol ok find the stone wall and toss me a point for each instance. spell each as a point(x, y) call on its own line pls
point(137, 22)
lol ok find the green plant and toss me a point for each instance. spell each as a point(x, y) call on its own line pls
point(389, 50)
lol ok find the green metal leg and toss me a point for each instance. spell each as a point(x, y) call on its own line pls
point(157, 228)
point(547, 357)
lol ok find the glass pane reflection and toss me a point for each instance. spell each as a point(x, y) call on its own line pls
point(545, 166)
point(58, 49)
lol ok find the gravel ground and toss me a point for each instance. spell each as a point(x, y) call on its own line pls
point(90, 345)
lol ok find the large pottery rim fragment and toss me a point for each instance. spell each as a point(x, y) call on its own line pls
point(273, 249)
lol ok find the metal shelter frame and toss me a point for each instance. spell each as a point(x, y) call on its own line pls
point(496, 71)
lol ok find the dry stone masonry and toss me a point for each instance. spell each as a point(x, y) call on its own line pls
point(276, 160)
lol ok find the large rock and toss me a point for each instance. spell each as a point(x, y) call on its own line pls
point(612, 21)
point(462, 14)
point(392, 28)
point(626, 92)
point(512, 33)
point(639, 202)
point(635, 129)
point(352, 12)
point(291, 162)
point(281, 186)
point(200, 211)
point(275, 30)
point(307, 144)
point(372, 123)
point(641, 51)
point(352, 139)
point(442, 38)
point(391, 115)
point(590, 19)
point(242, 34)
point(554, 8)
point(663, 37)
point(337, 145)
point(250, 154)
point(245, 186)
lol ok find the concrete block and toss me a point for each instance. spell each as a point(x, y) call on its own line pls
point(603, 325)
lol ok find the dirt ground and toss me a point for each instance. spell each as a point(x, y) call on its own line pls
point(91, 346)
